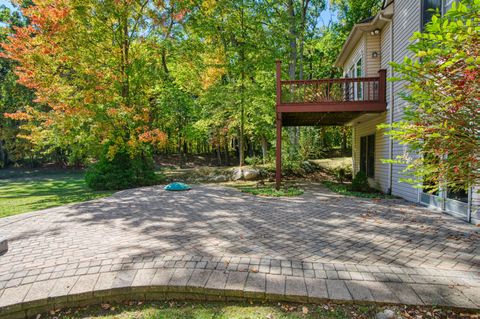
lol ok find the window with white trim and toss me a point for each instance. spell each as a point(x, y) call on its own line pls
point(432, 7)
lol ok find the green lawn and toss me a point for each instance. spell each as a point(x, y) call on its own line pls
point(265, 189)
point(218, 310)
point(330, 164)
point(24, 191)
point(270, 191)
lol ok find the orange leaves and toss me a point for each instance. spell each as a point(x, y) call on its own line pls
point(154, 136)
point(18, 116)
point(112, 112)
point(47, 15)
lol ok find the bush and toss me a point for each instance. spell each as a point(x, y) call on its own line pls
point(343, 173)
point(253, 161)
point(360, 183)
point(121, 172)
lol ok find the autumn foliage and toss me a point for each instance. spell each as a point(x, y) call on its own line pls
point(91, 67)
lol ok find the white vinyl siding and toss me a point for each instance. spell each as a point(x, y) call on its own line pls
point(476, 205)
point(372, 64)
point(357, 53)
point(381, 150)
point(364, 48)
point(406, 21)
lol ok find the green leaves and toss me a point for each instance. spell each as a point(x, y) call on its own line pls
point(442, 121)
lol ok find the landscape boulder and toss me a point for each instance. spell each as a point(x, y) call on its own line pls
point(219, 178)
point(246, 173)
point(251, 174)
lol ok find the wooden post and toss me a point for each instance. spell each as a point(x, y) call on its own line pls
point(278, 159)
point(382, 86)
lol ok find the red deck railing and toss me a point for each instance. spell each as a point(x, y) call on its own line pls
point(362, 90)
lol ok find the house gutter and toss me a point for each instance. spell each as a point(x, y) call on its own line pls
point(390, 147)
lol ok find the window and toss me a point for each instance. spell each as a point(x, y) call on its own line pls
point(359, 85)
point(367, 155)
point(447, 4)
point(355, 91)
point(430, 7)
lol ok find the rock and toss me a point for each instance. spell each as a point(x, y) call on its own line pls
point(3, 245)
point(386, 314)
point(251, 174)
point(248, 174)
point(219, 178)
point(237, 174)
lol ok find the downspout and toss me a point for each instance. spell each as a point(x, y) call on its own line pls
point(390, 146)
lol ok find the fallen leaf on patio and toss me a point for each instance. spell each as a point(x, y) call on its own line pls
point(253, 269)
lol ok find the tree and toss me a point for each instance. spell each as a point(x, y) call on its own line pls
point(12, 96)
point(91, 65)
point(441, 126)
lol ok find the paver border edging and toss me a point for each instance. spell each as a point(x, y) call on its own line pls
point(30, 309)
point(145, 293)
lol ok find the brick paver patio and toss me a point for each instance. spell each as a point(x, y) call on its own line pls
point(214, 242)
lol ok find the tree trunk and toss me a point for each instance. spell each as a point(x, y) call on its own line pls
point(242, 91)
point(264, 149)
point(292, 67)
point(344, 140)
point(227, 157)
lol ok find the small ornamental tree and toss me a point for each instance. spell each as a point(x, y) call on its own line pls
point(441, 126)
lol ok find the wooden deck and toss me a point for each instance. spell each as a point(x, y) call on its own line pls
point(325, 102)
point(329, 101)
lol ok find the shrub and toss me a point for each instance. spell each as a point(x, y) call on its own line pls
point(253, 161)
point(360, 183)
point(121, 172)
point(343, 173)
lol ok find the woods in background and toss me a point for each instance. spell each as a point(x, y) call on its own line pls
point(83, 80)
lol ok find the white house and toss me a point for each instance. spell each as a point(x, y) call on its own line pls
point(363, 99)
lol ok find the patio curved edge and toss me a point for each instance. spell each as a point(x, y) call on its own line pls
point(26, 301)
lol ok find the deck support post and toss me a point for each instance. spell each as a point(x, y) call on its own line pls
point(278, 160)
point(382, 89)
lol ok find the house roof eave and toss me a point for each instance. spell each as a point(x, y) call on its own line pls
point(355, 35)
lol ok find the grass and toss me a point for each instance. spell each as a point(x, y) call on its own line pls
point(268, 189)
point(344, 189)
point(218, 310)
point(25, 191)
point(271, 191)
point(330, 164)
